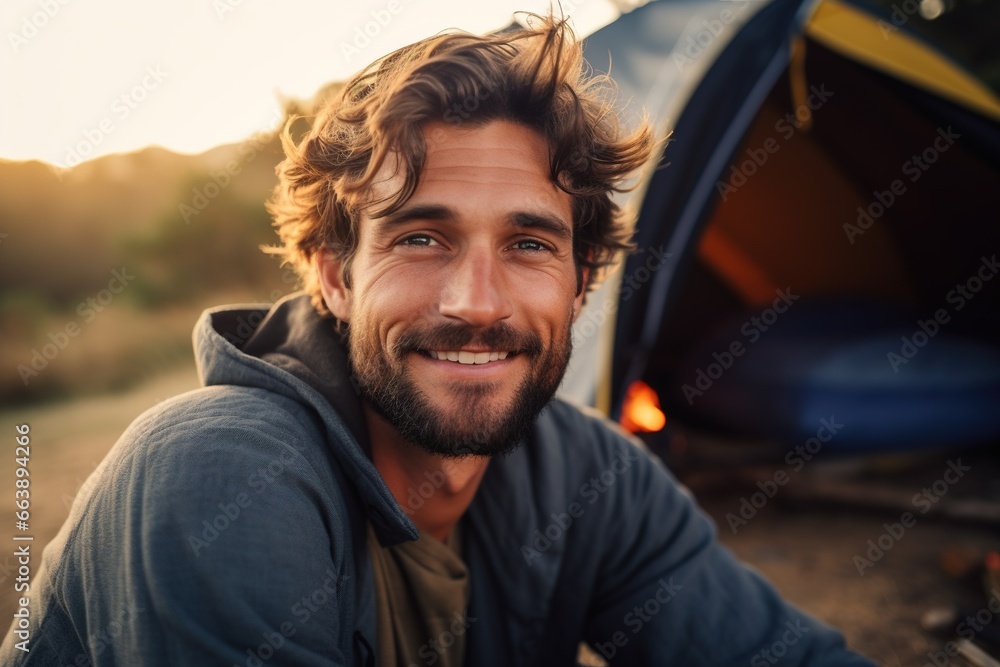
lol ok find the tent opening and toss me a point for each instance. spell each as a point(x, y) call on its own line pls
point(848, 269)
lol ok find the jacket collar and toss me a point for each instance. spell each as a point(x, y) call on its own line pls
point(293, 351)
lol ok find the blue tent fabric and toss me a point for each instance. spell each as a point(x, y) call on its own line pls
point(708, 132)
point(823, 363)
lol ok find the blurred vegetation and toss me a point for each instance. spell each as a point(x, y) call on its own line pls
point(186, 227)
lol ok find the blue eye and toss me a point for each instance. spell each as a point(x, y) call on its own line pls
point(418, 240)
point(531, 245)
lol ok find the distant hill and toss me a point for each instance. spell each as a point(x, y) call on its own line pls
point(187, 229)
point(65, 231)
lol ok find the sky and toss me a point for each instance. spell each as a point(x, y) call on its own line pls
point(84, 78)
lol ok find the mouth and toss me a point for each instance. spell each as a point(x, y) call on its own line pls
point(468, 357)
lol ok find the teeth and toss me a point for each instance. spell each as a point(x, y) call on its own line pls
point(469, 358)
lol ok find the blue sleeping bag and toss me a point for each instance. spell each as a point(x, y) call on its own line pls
point(891, 383)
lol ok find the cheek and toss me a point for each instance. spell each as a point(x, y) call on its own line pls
point(393, 303)
point(548, 310)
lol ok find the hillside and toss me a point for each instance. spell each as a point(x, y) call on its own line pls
point(182, 231)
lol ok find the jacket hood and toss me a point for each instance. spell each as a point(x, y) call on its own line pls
point(289, 349)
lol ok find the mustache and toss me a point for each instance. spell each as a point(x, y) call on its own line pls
point(454, 335)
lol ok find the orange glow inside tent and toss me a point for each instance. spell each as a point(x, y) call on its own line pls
point(641, 411)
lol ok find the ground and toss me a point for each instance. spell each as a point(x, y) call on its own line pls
point(809, 556)
point(818, 554)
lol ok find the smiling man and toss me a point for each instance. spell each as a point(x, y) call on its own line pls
point(462, 300)
point(459, 309)
point(376, 472)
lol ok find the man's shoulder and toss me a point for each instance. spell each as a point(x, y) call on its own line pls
point(224, 412)
point(563, 409)
point(577, 442)
point(219, 493)
point(232, 437)
point(582, 428)
point(234, 450)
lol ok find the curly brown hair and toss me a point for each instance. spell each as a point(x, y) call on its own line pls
point(535, 76)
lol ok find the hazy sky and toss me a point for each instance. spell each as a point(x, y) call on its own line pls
point(82, 78)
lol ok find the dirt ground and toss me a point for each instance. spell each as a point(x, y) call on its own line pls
point(809, 558)
point(806, 549)
point(817, 555)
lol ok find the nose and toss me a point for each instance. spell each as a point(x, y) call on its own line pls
point(476, 291)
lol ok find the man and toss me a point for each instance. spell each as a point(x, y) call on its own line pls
point(377, 474)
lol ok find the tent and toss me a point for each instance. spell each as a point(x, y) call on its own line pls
point(822, 242)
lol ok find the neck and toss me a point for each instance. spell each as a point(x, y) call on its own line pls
point(433, 490)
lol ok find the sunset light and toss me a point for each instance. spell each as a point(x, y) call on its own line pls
point(84, 79)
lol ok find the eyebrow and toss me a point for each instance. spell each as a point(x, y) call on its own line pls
point(546, 223)
point(417, 212)
point(540, 221)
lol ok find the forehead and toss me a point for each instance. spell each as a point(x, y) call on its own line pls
point(495, 165)
point(498, 143)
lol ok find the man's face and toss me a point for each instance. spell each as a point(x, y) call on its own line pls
point(461, 302)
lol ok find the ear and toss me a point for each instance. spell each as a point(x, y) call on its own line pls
point(578, 301)
point(336, 294)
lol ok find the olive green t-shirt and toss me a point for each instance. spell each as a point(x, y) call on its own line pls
point(421, 599)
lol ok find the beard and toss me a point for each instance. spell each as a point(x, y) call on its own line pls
point(474, 424)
